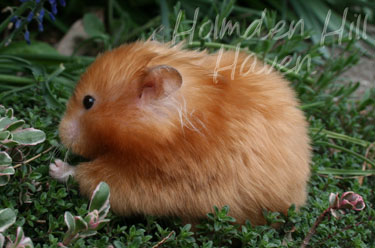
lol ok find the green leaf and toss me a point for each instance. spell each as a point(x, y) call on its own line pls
point(36, 47)
point(4, 180)
point(35, 175)
point(2, 240)
point(5, 159)
point(7, 171)
point(70, 222)
point(19, 237)
point(4, 135)
point(93, 25)
point(81, 224)
point(118, 244)
point(15, 125)
point(9, 142)
point(87, 234)
point(100, 197)
point(22, 241)
point(38, 72)
point(9, 113)
point(7, 218)
point(165, 17)
point(29, 136)
point(51, 99)
point(5, 121)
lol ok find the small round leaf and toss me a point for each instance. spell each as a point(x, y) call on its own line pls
point(7, 218)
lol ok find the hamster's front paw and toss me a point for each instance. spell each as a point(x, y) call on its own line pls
point(61, 170)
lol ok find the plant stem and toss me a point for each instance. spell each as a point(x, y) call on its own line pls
point(365, 165)
point(19, 11)
point(16, 80)
point(311, 105)
point(33, 158)
point(349, 227)
point(313, 228)
point(346, 150)
point(163, 240)
point(341, 136)
point(110, 16)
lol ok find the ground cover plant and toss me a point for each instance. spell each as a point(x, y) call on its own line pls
point(36, 81)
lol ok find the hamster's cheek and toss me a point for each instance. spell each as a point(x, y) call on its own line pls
point(69, 132)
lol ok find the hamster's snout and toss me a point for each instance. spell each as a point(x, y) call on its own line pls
point(69, 131)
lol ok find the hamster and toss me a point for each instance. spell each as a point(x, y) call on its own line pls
point(175, 132)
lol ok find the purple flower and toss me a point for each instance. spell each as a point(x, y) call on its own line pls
point(54, 9)
point(18, 23)
point(22, 1)
point(40, 27)
point(13, 19)
point(52, 17)
point(41, 15)
point(53, 6)
point(30, 16)
point(37, 1)
point(27, 36)
point(62, 3)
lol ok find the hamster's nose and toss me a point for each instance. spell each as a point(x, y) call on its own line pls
point(68, 131)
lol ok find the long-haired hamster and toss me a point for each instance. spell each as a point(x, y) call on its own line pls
point(175, 132)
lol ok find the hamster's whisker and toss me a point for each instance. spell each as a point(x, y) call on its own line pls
point(66, 155)
point(187, 116)
point(54, 152)
point(185, 120)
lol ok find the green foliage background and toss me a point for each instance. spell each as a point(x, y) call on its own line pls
point(36, 81)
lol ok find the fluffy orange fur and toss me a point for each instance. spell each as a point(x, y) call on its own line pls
point(239, 141)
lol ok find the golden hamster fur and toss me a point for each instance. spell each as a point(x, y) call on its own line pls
point(174, 132)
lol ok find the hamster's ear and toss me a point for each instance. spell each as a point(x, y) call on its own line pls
point(159, 81)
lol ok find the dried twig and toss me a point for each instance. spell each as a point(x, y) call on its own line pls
point(348, 200)
point(33, 158)
point(313, 228)
point(163, 240)
point(347, 228)
point(365, 164)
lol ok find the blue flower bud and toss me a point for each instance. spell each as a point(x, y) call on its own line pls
point(62, 3)
point(27, 37)
point(30, 16)
point(54, 9)
point(41, 15)
point(13, 19)
point(18, 23)
point(52, 17)
point(40, 27)
point(53, 6)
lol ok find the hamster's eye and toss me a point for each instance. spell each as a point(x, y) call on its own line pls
point(88, 101)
